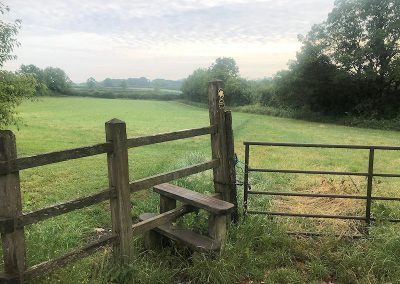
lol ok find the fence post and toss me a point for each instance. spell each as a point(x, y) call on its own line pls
point(246, 179)
point(222, 144)
point(230, 142)
point(118, 176)
point(369, 186)
point(13, 240)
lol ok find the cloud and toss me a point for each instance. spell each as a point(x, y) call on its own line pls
point(128, 32)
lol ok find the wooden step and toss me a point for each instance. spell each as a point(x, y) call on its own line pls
point(184, 236)
point(194, 198)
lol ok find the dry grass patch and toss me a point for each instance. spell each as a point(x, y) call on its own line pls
point(325, 206)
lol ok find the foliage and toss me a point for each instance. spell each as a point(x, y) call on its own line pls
point(194, 88)
point(224, 68)
point(91, 83)
point(14, 88)
point(8, 33)
point(141, 82)
point(124, 93)
point(57, 80)
point(348, 64)
point(39, 75)
point(124, 84)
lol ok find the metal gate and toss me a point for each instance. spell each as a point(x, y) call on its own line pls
point(368, 197)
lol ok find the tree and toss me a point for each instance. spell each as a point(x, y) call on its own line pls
point(124, 84)
point(224, 68)
point(238, 92)
point(38, 74)
point(348, 64)
point(8, 33)
point(108, 83)
point(91, 83)
point(194, 88)
point(14, 88)
point(362, 38)
point(57, 80)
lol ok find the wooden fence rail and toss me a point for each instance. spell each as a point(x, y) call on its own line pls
point(13, 221)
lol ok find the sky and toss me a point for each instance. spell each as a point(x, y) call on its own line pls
point(160, 38)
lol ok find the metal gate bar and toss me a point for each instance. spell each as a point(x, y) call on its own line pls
point(370, 175)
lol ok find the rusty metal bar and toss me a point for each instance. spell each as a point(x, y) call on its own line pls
point(386, 175)
point(303, 194)
point(369, 186)
point(336, 146)
point(317, 234)
point(307, 215)
point(308, 172)
point(246, 179)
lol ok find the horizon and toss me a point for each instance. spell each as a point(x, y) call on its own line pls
point(160, 39)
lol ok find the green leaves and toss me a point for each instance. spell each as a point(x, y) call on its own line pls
point(14, 88)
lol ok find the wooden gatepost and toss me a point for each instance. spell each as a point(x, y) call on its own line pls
point(222, 206)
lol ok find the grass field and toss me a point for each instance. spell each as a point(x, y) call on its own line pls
point(257, 249)
point(125, 93)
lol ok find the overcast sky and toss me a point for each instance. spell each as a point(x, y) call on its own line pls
point(160, 38)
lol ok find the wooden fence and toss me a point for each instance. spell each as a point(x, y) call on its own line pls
point(13, 220)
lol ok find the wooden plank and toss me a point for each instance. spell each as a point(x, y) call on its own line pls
point(8, 279)
point(217, 228)
point(118, 176)
point(166, 203)
point(47, 266)
point(164, 137)
point(152, 239)
point(59, 209)
point(169, 176)
point(22, 163)
point(194, 198)
point(184, 236)
point(230, 145)
point(160, 219)
point(13, 243)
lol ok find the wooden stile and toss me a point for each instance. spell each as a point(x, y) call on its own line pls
point(118, 175)
point(13, 242)
point(12, 221)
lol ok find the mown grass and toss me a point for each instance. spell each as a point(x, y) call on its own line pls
point(257, 249)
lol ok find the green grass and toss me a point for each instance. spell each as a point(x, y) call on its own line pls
point(127, 93)
point(257, 249)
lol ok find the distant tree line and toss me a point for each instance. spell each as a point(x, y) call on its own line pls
point(141, 82)
point(50, 80)
point(348, 65)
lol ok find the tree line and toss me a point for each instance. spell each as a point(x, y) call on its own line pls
point(348, 65)
point(141, 82)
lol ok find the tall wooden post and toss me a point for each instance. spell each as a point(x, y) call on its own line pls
point(13, 240)
point(118, 175)
point(222, 144)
